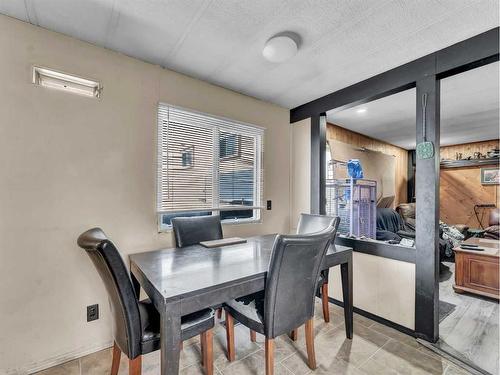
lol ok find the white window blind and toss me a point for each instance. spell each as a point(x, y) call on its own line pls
point(208, 164)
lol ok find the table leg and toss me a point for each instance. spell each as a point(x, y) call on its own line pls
point(346, 272)
point(170, 336)
point(136, 285)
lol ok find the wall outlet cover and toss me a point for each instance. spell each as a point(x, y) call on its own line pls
point(92, 312)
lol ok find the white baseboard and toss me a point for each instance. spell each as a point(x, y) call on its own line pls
point(59, 359)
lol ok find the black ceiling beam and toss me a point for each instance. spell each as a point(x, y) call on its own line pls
point(479, 50)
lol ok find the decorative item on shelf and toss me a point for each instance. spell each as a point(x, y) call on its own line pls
point(458, 156)
point(493, 153)
point(490, 176)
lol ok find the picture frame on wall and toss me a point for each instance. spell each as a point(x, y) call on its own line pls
point(490, 176)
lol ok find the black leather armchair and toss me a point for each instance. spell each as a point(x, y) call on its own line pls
point(310, 224)
point(136, 324)
point(288, 299)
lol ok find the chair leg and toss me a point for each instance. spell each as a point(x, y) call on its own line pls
point(219, 313)
point(311, 356)
point(230, 337)
point(324, 299)
point(269, 356)
point(135, 366)
point(115, 365)
point(253, 336)
point(294, 335)
point(207, 351)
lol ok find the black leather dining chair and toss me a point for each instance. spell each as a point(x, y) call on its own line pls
point(136, 324)
point(287, 302)
point(314, 223)
point(195, 229)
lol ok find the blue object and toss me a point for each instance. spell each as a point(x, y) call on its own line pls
point(354, 169)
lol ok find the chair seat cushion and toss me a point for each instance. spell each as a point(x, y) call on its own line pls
point(248, 310)
point(191, 325)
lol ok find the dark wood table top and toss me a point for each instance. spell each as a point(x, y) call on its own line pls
point(179, 273)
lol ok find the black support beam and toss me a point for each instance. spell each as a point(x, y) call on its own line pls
point(468, 54)
point(427, 214)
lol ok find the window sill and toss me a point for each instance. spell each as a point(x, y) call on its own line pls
point(224, 223)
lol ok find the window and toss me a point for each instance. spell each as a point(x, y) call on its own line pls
point(207, 166)
point(60, 81)
point(229, 145)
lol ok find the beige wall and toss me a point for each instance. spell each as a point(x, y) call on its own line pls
point(69, 163)
point(384, 287)
point(301, 171)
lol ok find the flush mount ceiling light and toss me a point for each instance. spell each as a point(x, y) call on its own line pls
point(361, 110)
point(281, 47)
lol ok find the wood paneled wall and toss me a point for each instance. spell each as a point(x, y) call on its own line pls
point(468, 149)
point(461, 189)
point(338, 133)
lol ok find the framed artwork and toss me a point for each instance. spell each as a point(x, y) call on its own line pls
point(490, 176)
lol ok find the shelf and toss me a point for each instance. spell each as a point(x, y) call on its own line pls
point(469, 163)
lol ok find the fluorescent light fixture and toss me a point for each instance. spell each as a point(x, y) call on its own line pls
point(361, 110)
point(61, 81)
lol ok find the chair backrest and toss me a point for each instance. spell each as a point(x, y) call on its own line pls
point(292, 279)
point(309, 223)
point(121, 294)
point(193, 230)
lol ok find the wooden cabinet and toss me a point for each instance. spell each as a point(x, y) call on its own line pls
point(478, 271)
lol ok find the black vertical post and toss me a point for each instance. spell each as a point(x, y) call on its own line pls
point(318, 164)
point(427, 214)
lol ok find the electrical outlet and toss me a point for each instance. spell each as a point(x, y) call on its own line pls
point(92, 312)
point(269, 205)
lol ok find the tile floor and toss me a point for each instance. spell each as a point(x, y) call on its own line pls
point(375, 349)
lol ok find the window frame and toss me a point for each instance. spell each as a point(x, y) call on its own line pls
point(257, 132)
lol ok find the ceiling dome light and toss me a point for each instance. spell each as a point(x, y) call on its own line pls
point(280, 48)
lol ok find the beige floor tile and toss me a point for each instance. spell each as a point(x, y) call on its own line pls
point(99, 363)
point(297, 363)
point(396, 335)
point(254, 365)
point(68, 368)
point(244, 347)
point(371, 367)
point(407, 360)
point(370, 335)
point(360, 319)
point(333, 345)
point(338, 367)
point(194, 370)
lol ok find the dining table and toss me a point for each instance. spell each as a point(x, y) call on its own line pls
point(180, 281)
